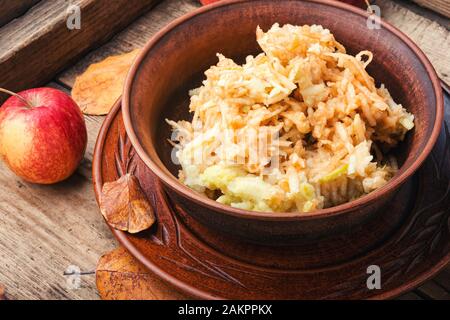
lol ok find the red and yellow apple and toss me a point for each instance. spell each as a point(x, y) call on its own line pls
point(43, 135)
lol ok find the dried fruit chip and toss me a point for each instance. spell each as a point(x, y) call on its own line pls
point(99, 87)
point(124, 205)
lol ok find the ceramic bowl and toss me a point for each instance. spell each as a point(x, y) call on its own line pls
point(174, 60)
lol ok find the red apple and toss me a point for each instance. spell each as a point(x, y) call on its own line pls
point(42, 135)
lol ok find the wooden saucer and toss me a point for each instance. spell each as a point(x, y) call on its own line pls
point(210, 266)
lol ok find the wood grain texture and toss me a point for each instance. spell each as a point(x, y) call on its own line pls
point(430, 36)
point(441, 6)
point(135, 36)
point(10, 10)
point(34, 47)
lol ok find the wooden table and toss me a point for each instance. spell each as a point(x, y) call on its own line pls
point(46, 229)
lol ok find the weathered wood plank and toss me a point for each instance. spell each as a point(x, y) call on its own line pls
point(135, 36)
point(10, 10)
point(47, 228)
point(430, 36)
point(433, 38)
point(424, 12)
point(34, 47)
point(441, 6)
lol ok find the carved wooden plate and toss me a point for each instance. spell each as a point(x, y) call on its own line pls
point(210, 266)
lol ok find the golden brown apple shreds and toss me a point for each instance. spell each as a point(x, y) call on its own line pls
point(125, 206)
point(99, 87)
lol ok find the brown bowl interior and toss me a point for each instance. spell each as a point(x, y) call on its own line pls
point(176, 60)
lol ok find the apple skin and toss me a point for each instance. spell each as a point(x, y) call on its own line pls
point(43, 143)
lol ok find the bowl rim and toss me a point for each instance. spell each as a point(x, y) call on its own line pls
point(366, 200)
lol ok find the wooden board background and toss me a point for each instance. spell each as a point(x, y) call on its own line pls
point(44, 229)
point(34, 47)
point(441, 6)
point(13, 9)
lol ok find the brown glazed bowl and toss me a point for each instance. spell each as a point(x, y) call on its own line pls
point(174, 60)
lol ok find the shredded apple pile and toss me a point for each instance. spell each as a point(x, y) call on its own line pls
point(299, 127)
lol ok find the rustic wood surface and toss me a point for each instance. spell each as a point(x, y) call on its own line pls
point(430, 36)
point(37, 45)
point(441, 6)
point(45, 229)
point(13, 9)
